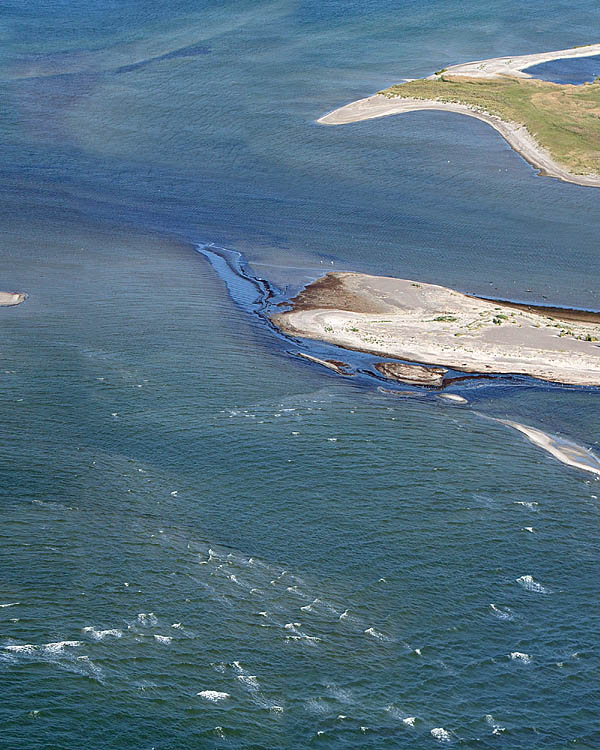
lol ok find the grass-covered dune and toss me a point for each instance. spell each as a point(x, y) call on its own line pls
point(563, 119)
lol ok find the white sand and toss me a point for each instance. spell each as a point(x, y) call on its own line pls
point(564, 450)
point(396, 318)
point(496, 67)
point(8, 299)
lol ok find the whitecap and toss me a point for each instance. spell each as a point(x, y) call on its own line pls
point(376, 634)
point(163, 638)
point(529, 584)
point(10, 604)
point(409, 721)
point(249, 680)
point(529, 529)
point(25, 648)
point(441, 734)
point(343, 615)
point(496, 728)
point(519, 656)
point(177, 625)
point(59, 646)
point(99, 635)
point(213, 695)
point(502, 613)
point(147, 619)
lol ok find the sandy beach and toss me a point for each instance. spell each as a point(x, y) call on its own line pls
point(514, 65)
point(9, 299)
point(434, 325)
point(515, 134)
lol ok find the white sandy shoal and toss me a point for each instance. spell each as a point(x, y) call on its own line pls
point(7, 299)
point(400, 322)
point(565, 451)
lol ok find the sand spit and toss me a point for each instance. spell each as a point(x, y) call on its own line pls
point(496, 67)
point(9, 299)
point(430, 324)
point(564, 450)
point(515, 134)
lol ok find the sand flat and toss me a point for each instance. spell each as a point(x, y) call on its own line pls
point(435, 325)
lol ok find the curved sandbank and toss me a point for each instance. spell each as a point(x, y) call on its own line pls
point(515, 134)
point(565, 451)
point(8, 299)
point(433, 325)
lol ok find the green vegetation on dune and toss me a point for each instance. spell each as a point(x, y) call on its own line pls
point(564, 119)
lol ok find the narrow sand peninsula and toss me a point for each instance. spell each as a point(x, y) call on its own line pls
point(515, 134)
point(496, 67)
point(8, 299)
point(434, 325)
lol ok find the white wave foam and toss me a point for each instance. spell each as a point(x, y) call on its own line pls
point(529, 584)
point(376, 634)
point(343, 615)
point(213, 695)
point(10, 604)
point(99, 635)
point(496, 728)
point(147, 619)
point(519, 656)
point(177, 625)
point(59, 646)
point(502, 613)
point(441, 734)
point(409, 721)
point(249, 681)
point(25, 648)
point(166, 639)
point(530, 505)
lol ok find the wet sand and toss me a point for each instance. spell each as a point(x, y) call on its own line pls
point(564, 450)
point(434, 325)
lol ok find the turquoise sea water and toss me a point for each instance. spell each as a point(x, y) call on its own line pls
point(205, 541)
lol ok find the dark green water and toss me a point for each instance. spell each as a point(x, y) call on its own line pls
point(206, 542)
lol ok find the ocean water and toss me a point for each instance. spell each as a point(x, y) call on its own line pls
point(206, 541)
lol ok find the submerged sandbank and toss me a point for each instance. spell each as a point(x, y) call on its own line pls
point(433, 325)
point(564, 450)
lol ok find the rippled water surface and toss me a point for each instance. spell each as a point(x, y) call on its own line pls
point(577, 70)
point(207, 541)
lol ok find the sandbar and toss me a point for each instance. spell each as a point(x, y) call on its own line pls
point(434, 325)
point(565, 451)
point(9, 299)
